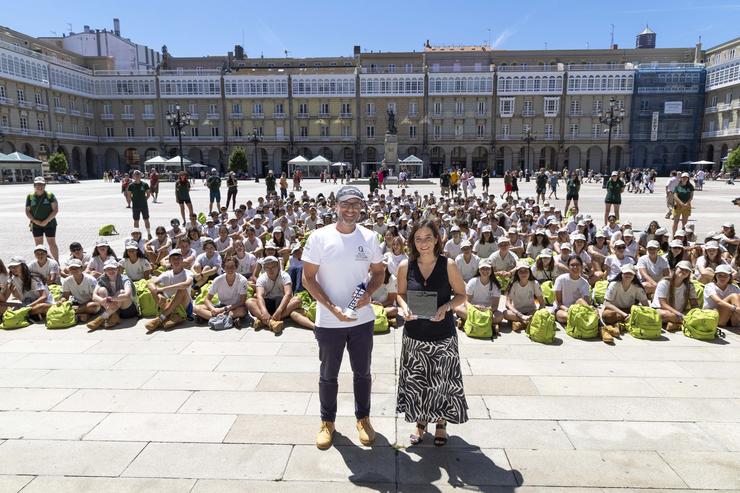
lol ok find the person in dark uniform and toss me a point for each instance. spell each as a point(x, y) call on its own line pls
point(41, 209)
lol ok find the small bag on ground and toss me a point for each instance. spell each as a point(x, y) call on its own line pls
point(541, 327)
point(61, 316)
point(479, 323)
point(644, 322)
point(583, 322)
point(381, 320)
point(16, 319)
point(701, 324)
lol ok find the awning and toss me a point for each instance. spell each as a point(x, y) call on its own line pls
point(320, 161)
point(175, 162)
point(412, 160)
point(298, 160)
point(155, 160)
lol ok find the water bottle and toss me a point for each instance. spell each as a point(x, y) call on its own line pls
point(350, 311)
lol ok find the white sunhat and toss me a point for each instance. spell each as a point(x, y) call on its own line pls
point(16, 260)
point(653, 244)
point(675, 244)
point(110, 264)
point(723, 269)
point(628, 268)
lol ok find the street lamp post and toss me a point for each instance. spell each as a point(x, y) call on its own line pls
point(529, 137)
point(255, 138)
point(179, 121)
point(612, 117)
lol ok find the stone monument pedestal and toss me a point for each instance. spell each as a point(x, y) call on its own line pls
point(390, 153)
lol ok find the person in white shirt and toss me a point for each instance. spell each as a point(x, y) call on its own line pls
point(675, 295)
point(503, 261)
point(724, 297)
point(252, 243)
point(624, 291)
point(484, 293)
point(467, 261)
point(246, 262)
point(486, 244)
point(611, 228)
point(386, 295)
point(669, 187)
point(453, 246)
point(78, 289)
point(273, 298)
point(172, 292)
point(44, 266)
point(523, 296)
point(707, 264)
point(614, 262)
point(208, 264)
point(652, 267)
point(396, 255)
point(134, 263)
point(231, 289)
point(570, 289)
point(223, 242)
point(116, 296)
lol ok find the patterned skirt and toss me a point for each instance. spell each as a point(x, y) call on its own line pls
point(430, 386)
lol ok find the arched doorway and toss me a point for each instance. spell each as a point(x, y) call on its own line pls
point(131, 156)
point(90, 163)
point(150, 153)
point(437, 160)
point(174, 151)
point(27, 149)
point(280, 157)
point(572, 158)
point(306, 152)
point(594, 159)
point(458, 157)
point(548, 158)
point(195, 155)
point(723, 152)
point(709, 153)
point(112, 160)
point(264, 160)
point(681, 154)
point(327, 153)
point(480, 159)
point(660, 156)
point(371, 158)
point(75, 165)
point(615, 158)
point(348, 155)
point(641, 156)
point(7, 147)
point(413, 150)
point(215, 158)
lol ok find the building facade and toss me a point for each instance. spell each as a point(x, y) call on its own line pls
point(469, 107)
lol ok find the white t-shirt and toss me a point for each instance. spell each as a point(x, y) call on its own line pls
point(484, 250)
point(523, 297)
point(204, 261)
point(571, 289)
point(468, 270)
point(229, 294)
point(614, 265)
point(83, 291)
point(50, 267)
point(344, 261)
point(654, 270)
point(252, 245)
point(247, 264)
point(453, 249)
point(500, 263)
point(712, 288)
point(617, 296)
point(222, 245)
point(135, 271)
point(481, 294)
point(381, 295)
point(679, 295)
point(168, 278)
point(273, 289)
point(394, 261)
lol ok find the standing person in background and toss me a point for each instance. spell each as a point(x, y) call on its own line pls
point(125, 181)
point(683, 194)
point(373, 182)
point(138, 194)
point(669, 186)
point(41, 210)
point(553, 185)
point(700, 175)
point(297, 179)
point(270, 184)
point(381, 176)
point(515, 184)
point(507, 184)
point(284, 185)
point(445, 183)
point(232, 187)
point(336, 261)
point(214, 190)
point(573, 187)
point(485, 180)
point(154, 184)
point(614, 189)
point(182, 195)
point(541, 185)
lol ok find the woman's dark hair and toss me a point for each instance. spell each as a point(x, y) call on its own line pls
point(652, 227)
point(231, 258)
point(539, 264)
point(192, 230)
point(279, 243)
point(672, 288)
point(713, 263)
point(482, 238)
point(426, 223)
point(544, 243)
point(27, 278)
point(572, 257)
point(111, 253)
point(515, 278)
point(3, 269)
point(139, 253)
point(673, 260)
point(635, 280)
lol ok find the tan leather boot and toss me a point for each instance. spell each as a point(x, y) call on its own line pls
point(325, 435)
point(366, 431)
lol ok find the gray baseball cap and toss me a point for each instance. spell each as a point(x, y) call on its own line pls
point(348, 192)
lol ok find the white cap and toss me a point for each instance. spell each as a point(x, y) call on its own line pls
point(728, 225)
point(484, 262)
point(685, 265)
point(135, 230)
point(628, 232)
point(110, 264)
point(578, 236)
point(723, 269)
point(653, 244)
point(614, 173)
point(39, 179)
point(132, 245)
point(268, 260)
point(277, 229)
point(685, 175)
point(504, 239)
point(175, 251)
point(454, 229)
point(466, 244)
point(101, 242)
point(599, 234)
point(680, 232)
point(16, 260)
point(619, 243)
point(566, 246)
point(546, 252)
point(486, 229)
point(75, 262)
point(661, 231)
point(40, 248)
point(522, 264)
point(628, 268)
point(712, 245)
point(675, 244)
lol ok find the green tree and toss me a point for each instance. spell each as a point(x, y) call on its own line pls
point(58, 163)
point(238, 160)
point(733, 160)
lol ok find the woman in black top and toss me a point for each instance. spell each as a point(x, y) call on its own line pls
point(430, 386)
point(232, 185)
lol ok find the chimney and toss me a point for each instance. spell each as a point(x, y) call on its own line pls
point(697, 52)
point(615, 46)
point(87, 29)
point(357, 50)
point(116, 26)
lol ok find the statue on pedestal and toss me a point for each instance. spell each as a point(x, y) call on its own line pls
point(392, 123)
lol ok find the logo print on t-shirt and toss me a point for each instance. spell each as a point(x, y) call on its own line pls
point(361, 255)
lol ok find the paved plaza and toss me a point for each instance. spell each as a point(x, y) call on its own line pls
point(193, 410)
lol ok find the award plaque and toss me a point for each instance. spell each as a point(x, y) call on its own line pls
point(423, 304)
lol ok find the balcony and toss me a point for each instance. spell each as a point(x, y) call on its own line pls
point(459, 114)
point(26, 131)
point(370, 114)
point(347, 115)
point(575, 113)
point(278, 115)
point(42, 107)
point(472, 137)
point(25, 104)
point(107, 116)
point(481, 114)
point(324, 115)
point(595, 113)
point(73, 136)
point(303, 116)
point(707, 110)
point(213, 116)
point(74, 112)
point(88, 115)
point(258, 116)
point(413, 114)
point(61, 110)
point(194, 115)
point(721, 133)
point(528, 113)
point(236, 116)
point(190, 138)
point(148, 116)
point(129, 139)
point(436, 114)
point(727, 107)
point(127, 116)
point(508, 137)
point(7, 101)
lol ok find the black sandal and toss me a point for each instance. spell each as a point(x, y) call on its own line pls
point(441, 441)
point(417, 439)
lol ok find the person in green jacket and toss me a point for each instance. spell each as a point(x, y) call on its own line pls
point(614, 189)
point(374, 183)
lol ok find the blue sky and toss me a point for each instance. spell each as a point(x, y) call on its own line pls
point(331, 28)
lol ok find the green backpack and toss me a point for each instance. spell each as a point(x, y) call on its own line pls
point(305, 298)
point(644, 322)
point(381, 320)
point(541, 327)
point(701, 324)
point(548, 292)
point(200, 299)
point(107, 230)
point(583, 322)
point(61, 316)
point(56, 291)
point(202, 218)
point(479, 323)
point(599, 292)
point(147, 304)
point(311, 311)
point(699, 288)
point(16, 319)
point(503, 282)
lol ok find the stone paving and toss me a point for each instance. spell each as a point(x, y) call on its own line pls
point(198, 411)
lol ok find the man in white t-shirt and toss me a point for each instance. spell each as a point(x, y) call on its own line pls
point(336, 260)
point(231, 289)
point(78, 288)
point(172, 291)
point(44, 266)
point(273, 297)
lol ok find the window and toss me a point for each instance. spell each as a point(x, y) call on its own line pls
point(527, 109)
point(173, 132)
point(40, 125)
point(645, 105)
point(575, 108)
point(391, 68)
point(596, 107)
point(57, 101)
point(74, 128)
point(506, 107)
point(150, 131)
point(728, 98)
point(412, 131)
point(392, 107)
point(39, 98)
point(257, 108)
point(552, 105)
point(60, 127)
point(370, 109)
point(279, 132)
point(107, 109)
point(346, 131)
point(87, 131)
point(712, 126)
point(548, 130)
point(408, 68)
point(304, 131)
point(213, 109)
point(459, 130)
point(24, 123)
point(194, 131)
point(214, 131)
point(619, 104)
point(130, 132)
point(346, 109)
point(192, 108)
point(109, 132)
point(713, 103)
point(236, 108)
point(455, 67)
point(437, 108)
point(505, 130)
point(21, 95)
point(2, 92)
point(617, 130)
point(459, 108)
point(237, 131)
point(481, 108)
point(370, 131)
point(437, 131)
point(574, 130)
point(481, 130)
point(324, 130)
point(148, 109)
point(595, 131)
point(526, 128)
point(303, 109)
point(435, 67)
point(126, 109)
point(477, 67)
point(413, 108)
point(279, 108)
point(324, 109)
point(4, 121)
